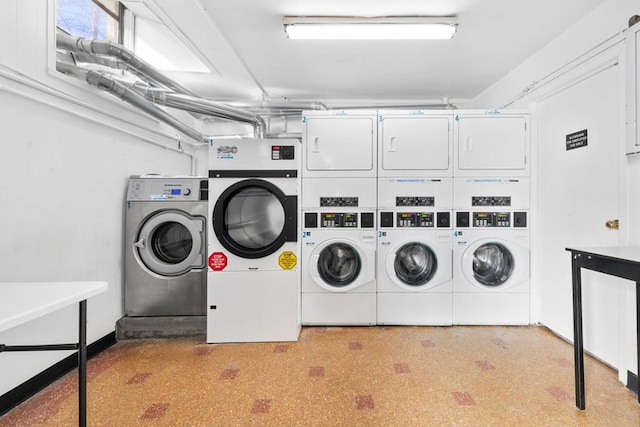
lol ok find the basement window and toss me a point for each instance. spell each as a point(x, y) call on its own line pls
point(93, 19)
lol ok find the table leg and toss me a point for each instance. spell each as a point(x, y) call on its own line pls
point(82, 365)
point(578, 350)
point(638, 335)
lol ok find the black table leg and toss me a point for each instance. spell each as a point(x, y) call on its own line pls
point(578, 350)
point(82, 365)
point(638, 335)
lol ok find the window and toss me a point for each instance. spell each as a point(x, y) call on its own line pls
point(93, 19)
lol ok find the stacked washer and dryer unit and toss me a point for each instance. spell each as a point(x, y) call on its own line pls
point(253, 281)
point(339, 218)
point(415, 190)
point(491, 236)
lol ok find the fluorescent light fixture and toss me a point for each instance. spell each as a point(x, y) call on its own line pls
point(363, 28)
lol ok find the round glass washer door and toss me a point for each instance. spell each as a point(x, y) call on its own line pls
point(339, 265)
point(492, 264)
point(170, 243)
point(415, 264)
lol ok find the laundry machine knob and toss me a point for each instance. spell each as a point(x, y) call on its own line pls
point(186, 191)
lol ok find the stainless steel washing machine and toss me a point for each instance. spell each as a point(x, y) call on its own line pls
point(165, 246)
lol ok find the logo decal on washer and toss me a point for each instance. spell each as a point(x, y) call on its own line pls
point(287, 260)
point(217, 261)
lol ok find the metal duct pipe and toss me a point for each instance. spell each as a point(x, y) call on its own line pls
point(204, 106)
point(124, 93)
point(184, 99)
point(108, 48)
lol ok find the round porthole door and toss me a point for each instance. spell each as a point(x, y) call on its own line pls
point(170, 243)
point(254, 218)
point(338, 265)
point(492, 264)
point(414, 264)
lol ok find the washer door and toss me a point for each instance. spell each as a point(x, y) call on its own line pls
point(253, 218)
point(171, 243)
point(340, 265)
point(493, 264)
point(414, 264)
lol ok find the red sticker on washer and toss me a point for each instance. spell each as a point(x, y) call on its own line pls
point(217, 261)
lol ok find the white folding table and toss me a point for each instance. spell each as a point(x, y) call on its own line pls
point(21, 302)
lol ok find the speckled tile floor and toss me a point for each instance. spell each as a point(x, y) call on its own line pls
point(369, 376)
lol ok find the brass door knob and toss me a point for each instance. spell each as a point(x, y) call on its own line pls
point(613, 224)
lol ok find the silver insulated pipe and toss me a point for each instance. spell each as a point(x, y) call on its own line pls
point(173, 95)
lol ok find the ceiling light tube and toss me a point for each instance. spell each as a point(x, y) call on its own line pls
point(379, 28)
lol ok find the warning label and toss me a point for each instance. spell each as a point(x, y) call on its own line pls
point(217, 261)
point(287, 260)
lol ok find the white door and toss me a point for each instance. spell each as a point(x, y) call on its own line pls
point(578, 193)
point(492, 142)
point(414, 143)
point(340, 143)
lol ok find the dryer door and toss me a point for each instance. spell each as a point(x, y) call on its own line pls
point(171, 243)
point(414, 264)
point(493, 264)
point(253, 218)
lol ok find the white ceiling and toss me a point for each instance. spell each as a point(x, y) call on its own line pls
point(243, 41)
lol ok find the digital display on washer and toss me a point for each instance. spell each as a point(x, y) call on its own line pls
point(414, 219)
point(415, 201)
point(338, 220)
point(176, 191)
point(351, 202)
point(492, 219)
point(491, 201)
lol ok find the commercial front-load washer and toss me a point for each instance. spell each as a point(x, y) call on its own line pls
point(165, 246)
point(339, 144)
point(253, 281)
point(414, 251)
point(491, 270)
point(491, 143)
point(415, 143)
point(338, 251)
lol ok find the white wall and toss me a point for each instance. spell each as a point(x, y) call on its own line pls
point(592, 43)
point(64, 164)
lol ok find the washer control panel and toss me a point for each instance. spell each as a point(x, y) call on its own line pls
point(160, 189)
point(492, 219)
point(414, 219)
point(338, 220)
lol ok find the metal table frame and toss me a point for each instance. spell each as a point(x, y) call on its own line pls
point(71, 292)
point(607, 261)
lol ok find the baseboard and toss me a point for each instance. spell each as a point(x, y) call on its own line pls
point(632, 382)
point(14, 397)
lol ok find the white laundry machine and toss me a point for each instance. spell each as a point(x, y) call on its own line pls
point(165, 246)
point(492, 143)
point(491, 252)
point(254, 249)
point(339, 144)
point(415, 143)
point(339, 251)
point(414, 256)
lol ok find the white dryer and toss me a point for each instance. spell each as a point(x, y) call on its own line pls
point(491, 267)
point(253, 278)
point(493, 143)
point(415, 143)
point(339, 144)
point(338, 251)
point(414, 251)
